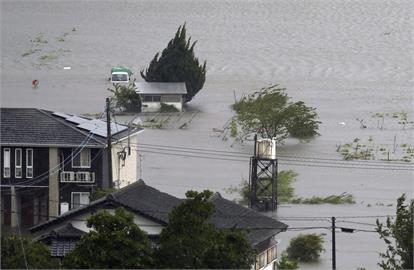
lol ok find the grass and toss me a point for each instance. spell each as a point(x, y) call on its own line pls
point(286, 193)
point(29, 52)
point(343, 198)
point(39, 39)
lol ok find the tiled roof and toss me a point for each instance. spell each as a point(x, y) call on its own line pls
point(229, 214)
point(156, 205)
point(62, 240)
point(37, 127)
point(147, 200)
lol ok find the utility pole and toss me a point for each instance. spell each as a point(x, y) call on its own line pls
point(333, 245)
point(109, 142)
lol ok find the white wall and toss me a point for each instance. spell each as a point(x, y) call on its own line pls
point(79, 222)
point(126, 171)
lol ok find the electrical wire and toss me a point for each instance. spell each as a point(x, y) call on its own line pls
point(281, 162)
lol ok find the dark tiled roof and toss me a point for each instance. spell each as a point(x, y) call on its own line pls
point(68, 231)
point(62, 240)
point(156, 205)
point(147, 200)
point(28, 126)
point(229, 214)
point(37, 127)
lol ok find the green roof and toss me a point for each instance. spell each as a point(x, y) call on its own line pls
point(122, 69)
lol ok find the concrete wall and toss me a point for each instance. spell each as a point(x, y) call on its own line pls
point(127, 170)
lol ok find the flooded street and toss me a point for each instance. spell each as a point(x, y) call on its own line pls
point(348, 59)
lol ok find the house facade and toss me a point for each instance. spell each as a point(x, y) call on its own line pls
point(153, 94)
point(52, 162)
point(151, 208)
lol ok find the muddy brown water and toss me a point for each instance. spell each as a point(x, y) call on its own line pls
point(349, 59)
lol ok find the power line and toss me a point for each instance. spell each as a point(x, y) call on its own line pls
point(235, 153)
point(281, 162)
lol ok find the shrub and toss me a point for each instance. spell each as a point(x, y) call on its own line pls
point(305, 247)
point(167, 108)
point(125, 97)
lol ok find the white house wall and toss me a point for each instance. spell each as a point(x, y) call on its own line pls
point(79, 222)
point(126, 171)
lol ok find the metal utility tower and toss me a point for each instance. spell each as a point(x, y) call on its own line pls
point(263, 175)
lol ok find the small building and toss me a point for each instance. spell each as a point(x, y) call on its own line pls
point(153, 94)
point(151, 209)
point(52, 162)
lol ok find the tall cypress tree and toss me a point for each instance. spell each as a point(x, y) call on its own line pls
point(177, 63)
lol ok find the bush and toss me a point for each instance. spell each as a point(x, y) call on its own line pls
point(285, 263)
point(125, 97)
point(168, 108)
point(18, 252)
point(305, 247)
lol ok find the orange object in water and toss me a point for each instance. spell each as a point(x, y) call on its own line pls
point(35, 83)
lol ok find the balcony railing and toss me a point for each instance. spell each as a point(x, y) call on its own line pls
point(77, 177)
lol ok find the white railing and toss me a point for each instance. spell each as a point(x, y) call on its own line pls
point(77, 177)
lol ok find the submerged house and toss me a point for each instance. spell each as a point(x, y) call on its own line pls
point(153, 94)
point(51, 162)
point(151, 208)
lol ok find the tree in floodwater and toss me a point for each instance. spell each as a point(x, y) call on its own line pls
point(177, 63)
point(270, 113)
point(398, 235)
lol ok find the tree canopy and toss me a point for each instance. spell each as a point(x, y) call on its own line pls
point(305, 247)
point(125, 98)
point(177, 63)
point(270, 113)
point(18, 252)
point(190, 241)
point(115, 242)
point(398, 236)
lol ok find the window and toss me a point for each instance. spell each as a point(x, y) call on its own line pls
point(29, 163)
point(79, 199)
point(271, 254)
point(152, 98)
point(18, 163)
point(171, 98)
point(6, 163)
point(82, 159)
point(261, 260)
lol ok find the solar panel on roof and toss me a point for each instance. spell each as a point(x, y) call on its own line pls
point(63, 115)
point(77, 120)
point(98, 127)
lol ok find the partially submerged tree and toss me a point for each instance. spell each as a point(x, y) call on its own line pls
point(305, 247)
point(190, 241)
point(285, 191)
point(115, 242)
point(398, 235)
point(177, 63)
point(270, 113)
point(125, 97)
point(18, 252)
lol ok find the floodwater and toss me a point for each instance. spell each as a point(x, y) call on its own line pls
point(349, 59)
